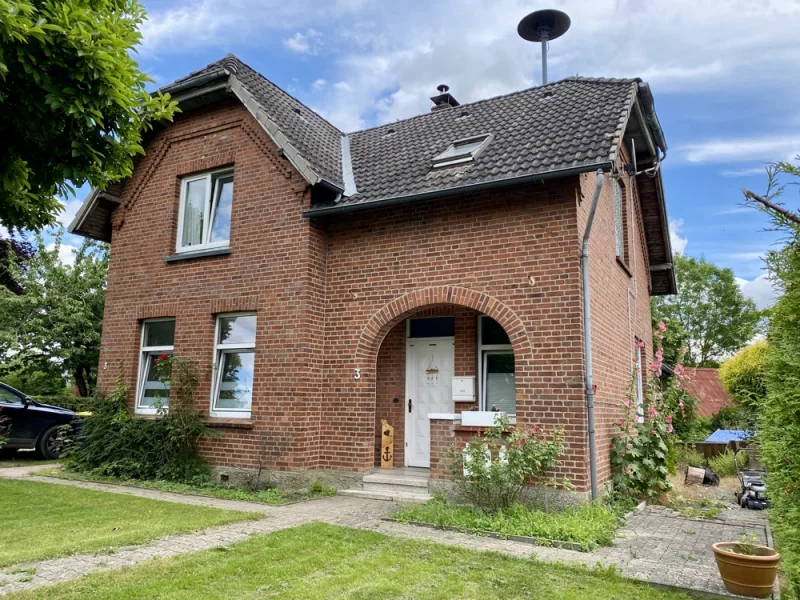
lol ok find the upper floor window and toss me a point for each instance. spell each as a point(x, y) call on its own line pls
point(204, 220)
point(619, 219)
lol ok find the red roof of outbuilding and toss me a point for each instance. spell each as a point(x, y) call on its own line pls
point(705, 386)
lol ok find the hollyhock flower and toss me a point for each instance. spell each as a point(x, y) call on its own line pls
point(627, 401)
point(669, 428)
point(639, 344)
point(621, 422)
point(662, 326)
point(653, 412)
point(520, 443)
point(668, 419)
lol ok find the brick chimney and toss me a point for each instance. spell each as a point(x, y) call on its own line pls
point(444, 99)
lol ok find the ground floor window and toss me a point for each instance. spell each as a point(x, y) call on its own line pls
point(497, 368)
point(234, 366)
point(639, 383)
point(158, 338)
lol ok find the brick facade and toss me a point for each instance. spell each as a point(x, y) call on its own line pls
point(331, 296)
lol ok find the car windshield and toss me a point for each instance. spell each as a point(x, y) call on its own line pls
point(8, 396)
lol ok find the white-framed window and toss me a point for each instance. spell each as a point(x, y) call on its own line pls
point(619, 219)
point(158, 339)
point(497, 369)
point(204, 218)
point(639, 384)
point(462, 151)
point(234, 365)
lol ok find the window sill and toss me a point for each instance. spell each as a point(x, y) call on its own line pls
point(228, 423)
point(624, 267)
point(197, 254)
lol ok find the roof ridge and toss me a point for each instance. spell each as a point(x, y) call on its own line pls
point(573, 78)
point(230, 56)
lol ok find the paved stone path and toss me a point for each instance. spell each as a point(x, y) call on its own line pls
point(657, 545)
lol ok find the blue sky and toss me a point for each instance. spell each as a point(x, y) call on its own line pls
point(724, 75)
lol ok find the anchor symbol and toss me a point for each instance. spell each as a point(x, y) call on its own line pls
point(387, 455)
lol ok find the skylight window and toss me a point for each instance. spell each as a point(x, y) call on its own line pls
point(462, 151)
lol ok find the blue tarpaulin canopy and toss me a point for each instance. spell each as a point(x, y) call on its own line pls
point(722, 436)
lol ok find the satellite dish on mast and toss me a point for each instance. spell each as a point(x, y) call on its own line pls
point(543, 26)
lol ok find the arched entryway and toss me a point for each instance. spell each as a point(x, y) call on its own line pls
point(417, 344)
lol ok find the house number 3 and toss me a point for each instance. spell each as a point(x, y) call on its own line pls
point(356, 373)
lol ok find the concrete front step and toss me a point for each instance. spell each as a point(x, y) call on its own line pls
point(395, 480)
point(391, 496)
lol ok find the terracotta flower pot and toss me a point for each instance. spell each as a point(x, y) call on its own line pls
point(747, 574)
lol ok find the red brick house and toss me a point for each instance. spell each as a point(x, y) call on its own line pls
point(324, 281)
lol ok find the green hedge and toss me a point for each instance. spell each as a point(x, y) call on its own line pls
point(75, 403)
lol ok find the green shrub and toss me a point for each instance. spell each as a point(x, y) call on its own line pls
point(75, 403)
point(724, 465)
point(492, 470)
point(115, 443)
point(744, 375)
point(687, 455)
point(587, 524)
point(730, 417)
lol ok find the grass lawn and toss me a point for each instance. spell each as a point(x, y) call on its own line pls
point(272, 496)
point(324, 561)
point(587, 524)
point(42, 520)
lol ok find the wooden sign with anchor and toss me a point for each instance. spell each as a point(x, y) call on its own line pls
point(387, 445)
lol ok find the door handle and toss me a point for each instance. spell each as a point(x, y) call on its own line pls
point(410, 404)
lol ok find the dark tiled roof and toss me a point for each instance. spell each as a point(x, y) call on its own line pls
point(573, 123)
point(317, 141)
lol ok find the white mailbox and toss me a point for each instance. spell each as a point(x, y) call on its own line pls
point(463, 389)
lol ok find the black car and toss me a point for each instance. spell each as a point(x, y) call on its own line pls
point(31, 425)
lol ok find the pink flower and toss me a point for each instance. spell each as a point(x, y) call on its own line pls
point(669, 428)
point(656, 368)
point(668, 419)
point(537, 430)
point(660, 355)
point(653, 412)
point(680, 371)
point(627, 401)
point(639, 344)
point(621, 422)
point(654, 432)
point(520, 443)
point(662, 326)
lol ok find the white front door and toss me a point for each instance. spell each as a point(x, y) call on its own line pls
point(429, 374)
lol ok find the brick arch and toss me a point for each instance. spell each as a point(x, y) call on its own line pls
point(398, 309)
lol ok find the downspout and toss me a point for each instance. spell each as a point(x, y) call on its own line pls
point(587, 332)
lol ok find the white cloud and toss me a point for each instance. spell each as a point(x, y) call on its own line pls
point(304, 43)
point(69, 209)
point(744, 172)
point(319, 84)
point(678, 243)
point(394, 54)
point(762, 147)
point(760, 290)
point(66, 253)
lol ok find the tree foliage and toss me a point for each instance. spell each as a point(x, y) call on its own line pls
point(710, 308)
point(779, 430)
point(744, 375)
point(55, 325)
point(72, 99)
point(17, 251)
